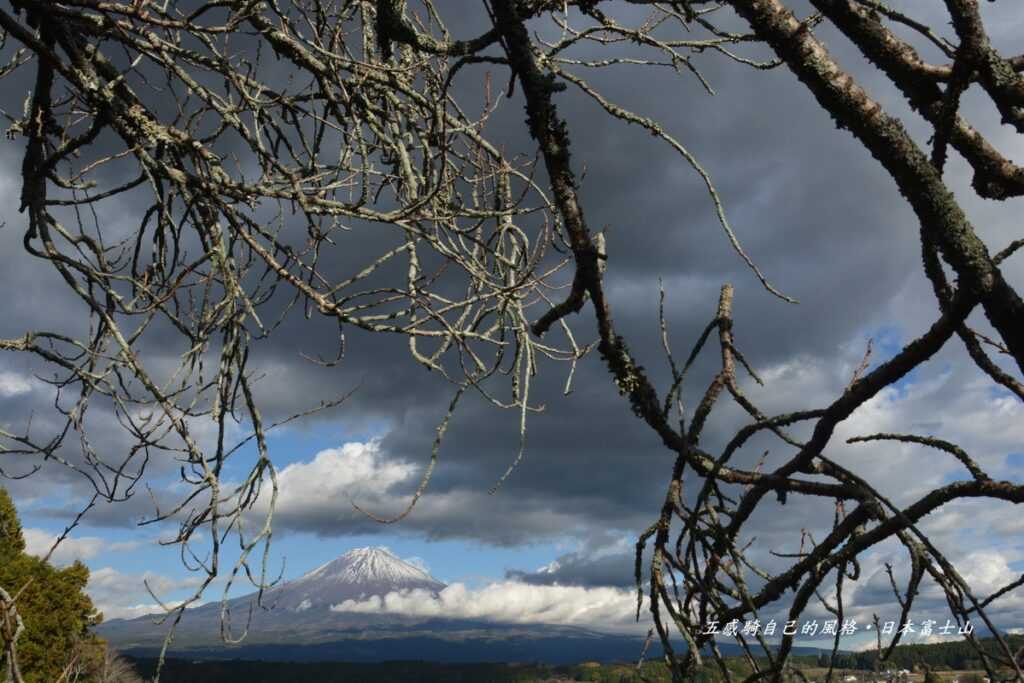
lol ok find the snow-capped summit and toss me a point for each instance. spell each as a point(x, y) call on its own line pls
point(298, 610)
point(369, 565)
point(357, 574)
point(294, 621)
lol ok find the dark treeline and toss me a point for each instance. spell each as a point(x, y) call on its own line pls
point(954, 655)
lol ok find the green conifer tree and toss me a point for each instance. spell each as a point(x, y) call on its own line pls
point(12, 542)
point(52, 603)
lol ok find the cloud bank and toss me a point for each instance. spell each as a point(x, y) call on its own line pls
point(512, 602)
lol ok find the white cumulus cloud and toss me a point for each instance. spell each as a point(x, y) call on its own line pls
point(13, 384)
point(337, 474)
point(510, 602)
point(133, 611)
point(124, 596)
point(38, 542)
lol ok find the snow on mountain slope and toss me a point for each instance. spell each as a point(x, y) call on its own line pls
point(356, 574)
point(295, 622)
point(368, 565)
point(295, 611)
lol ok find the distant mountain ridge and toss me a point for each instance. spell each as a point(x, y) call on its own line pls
point(297, 623)
point(294, 612)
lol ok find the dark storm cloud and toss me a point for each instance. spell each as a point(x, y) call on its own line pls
point(576, 569)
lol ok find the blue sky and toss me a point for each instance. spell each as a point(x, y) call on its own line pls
point(135, 550)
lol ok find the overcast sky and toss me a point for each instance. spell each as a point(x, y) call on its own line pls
point(817, 213)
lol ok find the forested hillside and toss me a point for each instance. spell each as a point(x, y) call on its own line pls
point(956, 655)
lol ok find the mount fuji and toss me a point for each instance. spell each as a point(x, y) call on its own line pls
point(355, 575)
point(296, 622)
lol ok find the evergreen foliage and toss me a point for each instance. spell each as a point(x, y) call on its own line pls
point(56, 611)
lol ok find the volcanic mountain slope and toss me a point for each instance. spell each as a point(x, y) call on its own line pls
point(298, 611)
point(356, 574)
point(296, 623)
